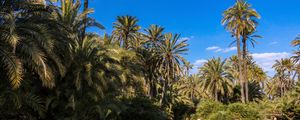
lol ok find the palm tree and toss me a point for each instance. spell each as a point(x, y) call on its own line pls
point(190, 88)
point(215, 78)
point(17, 105)
point(125, 30)
point(154, 35)
point(283, 69)
point(169, 59)
point(85, 8)
point(256, 74)
point(296, 57)
point(26, 46)
point(237, 19)
point(296, 41)
point(247, 36)
point(233, 68)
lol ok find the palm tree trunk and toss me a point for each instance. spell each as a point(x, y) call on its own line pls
point(192, 95)
point(125, 42)
point(216, 95)
point(281, 86)
point(85, 7)
point(240, 68)
point(245, 69)
point(281, 90)
point(163, 92)
point(152, 88)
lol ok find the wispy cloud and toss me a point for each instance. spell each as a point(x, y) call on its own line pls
point(219, 49)
point(267, 60)
point(274, 43)
point(197, 64)
point(229, 49)
point(213, 48)
point(186, 38)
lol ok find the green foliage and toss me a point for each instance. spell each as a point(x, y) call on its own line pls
point(182, 111)
point(52, 68)
point(221, 115)
point(206, 108)
point(142, 109)
point(212, 110)
point(243, 111)
point(216, 79)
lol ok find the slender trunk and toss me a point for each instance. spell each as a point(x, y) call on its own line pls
point(281, 90)
point(216, 95)
point(85, 7)
point(163, 92)
point(245, 68)
point(155, 91)
point(150, 87)
point(125, 42)
point(281, 87)
point(150, 90)
point(240, 68)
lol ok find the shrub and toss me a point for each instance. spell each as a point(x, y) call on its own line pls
point(142, 109)
point(212, 110)
point(221, 115)
point(206, 108)
point(243, 111)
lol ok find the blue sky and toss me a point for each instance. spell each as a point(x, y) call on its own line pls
point(199, 21)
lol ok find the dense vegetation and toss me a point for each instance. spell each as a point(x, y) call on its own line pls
point(53, 68)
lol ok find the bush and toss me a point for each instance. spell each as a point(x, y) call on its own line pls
point(212, 110)
point(206, 108)
point(142, 109)
point(221, 115)
point(182, 111)
point(243, 111)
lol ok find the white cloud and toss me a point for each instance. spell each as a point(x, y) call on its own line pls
point(186, 38)
point(197, 64)
point(219, 49)
point(266, 60)
point(273, 43)
point(229, 49)
point(212, 48)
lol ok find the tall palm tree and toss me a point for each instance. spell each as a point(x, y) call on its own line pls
point(67, 23)
point(236, 20)
point(85, 8)
point(125, 30)
point(247, 37)
point(283, 69)
point(215, 78)
point(154, 35)
point(169, 58)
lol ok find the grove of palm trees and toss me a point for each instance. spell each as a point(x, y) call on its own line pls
point(54, 66)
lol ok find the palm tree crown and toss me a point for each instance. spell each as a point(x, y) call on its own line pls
point(215, 78)
point(126, 29)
